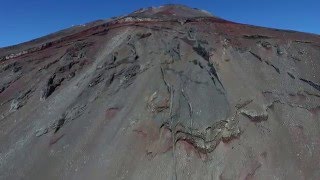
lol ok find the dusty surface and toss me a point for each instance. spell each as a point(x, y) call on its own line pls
point(163, 93)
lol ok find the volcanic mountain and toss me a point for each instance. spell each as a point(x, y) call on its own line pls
point(162, 93)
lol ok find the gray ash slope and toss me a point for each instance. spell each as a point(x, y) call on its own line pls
point(163, 93)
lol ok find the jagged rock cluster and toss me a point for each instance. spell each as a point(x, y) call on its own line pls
point(163, 93)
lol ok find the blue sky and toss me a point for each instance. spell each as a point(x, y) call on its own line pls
point(23, 20)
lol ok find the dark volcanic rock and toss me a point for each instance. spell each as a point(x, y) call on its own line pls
point(163, 93)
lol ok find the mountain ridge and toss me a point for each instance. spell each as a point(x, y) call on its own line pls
point(97, 22)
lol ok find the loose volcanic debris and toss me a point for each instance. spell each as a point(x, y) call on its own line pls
point(162, 93)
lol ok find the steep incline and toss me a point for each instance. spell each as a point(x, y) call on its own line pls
point(163, 93)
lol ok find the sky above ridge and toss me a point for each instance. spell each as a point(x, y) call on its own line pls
point(24, 20)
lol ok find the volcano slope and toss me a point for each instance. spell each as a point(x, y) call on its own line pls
point(162, 93)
